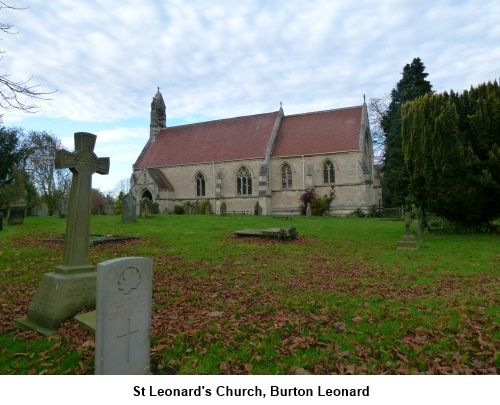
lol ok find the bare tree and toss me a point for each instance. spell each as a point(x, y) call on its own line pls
point(14, 93)
point(377, 108)
point(40, 150)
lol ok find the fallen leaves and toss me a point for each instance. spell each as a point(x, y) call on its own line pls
point(307, 313)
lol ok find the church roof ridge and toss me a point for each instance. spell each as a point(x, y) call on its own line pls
point(222, 119)
point(326, 111)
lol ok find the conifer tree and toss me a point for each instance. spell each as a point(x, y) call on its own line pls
point(395, 180)
point(451, 145)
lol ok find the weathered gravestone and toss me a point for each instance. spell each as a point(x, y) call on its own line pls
point(17, 214)
point(71, 286)
point(308, 210)
point(44, 210)
point(61, 204)
point(223, 209)
point(129, 208)
point(123, 316)
point(146, 207)
point(408, 242)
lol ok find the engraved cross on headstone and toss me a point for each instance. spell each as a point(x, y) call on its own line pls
point(83, 163)
point(127, 335)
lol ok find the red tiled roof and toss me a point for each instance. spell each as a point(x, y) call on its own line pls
point(319, 132)
point(213, 141)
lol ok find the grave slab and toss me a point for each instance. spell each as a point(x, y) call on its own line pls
point(285, 233)
point(123, 316)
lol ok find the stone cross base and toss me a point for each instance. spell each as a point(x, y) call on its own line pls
point(408, 242)
point(60, 296)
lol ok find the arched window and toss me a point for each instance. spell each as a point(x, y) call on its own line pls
point(244, 181)
point(328, 172)
point(286, 176)
point(200, 185)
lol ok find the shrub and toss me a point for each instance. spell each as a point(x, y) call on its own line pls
point(358, 212)
point(374, 212)
point(204, 207)
point(178, 209)
point(319, 205)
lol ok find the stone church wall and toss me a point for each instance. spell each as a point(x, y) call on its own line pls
point(351, 191)
point(351, 188)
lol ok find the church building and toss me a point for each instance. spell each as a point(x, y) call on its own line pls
point(270, 158)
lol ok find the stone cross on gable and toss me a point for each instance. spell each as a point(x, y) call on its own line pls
point(83, 163)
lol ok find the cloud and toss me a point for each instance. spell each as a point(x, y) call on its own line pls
point(226, 58)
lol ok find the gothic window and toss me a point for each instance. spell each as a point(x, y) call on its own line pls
point(328, 172)
point(200, 185)
point(286, 176)
point(244, 181)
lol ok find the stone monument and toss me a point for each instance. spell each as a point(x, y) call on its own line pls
point(223, 209)
point(129, 208)
point(408, 242)
point(71, 286)
point(17, 214)
point(44, 210)
point(309, 211)
point(123, 316)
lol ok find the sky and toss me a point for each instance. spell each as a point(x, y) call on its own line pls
point(104, 60)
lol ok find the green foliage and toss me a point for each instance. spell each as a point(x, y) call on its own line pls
point(395, 179)
point(118, 203)
point(358, 213)
point(10, 154)
point(204, 207)
point(375, 212)
point(451, 149)
point(319, 205)
point(179, 209)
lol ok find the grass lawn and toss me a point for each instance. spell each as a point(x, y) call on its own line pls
point(339, 299)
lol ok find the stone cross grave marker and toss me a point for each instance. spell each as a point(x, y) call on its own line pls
point(408, 242)
point(123, 316)
point(83, 163)
point(72, 285)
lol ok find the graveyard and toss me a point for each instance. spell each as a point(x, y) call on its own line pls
point(340, 298)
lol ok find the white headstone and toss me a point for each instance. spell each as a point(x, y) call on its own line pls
point(123, 316)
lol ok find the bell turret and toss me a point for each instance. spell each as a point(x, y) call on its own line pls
point(158, 116)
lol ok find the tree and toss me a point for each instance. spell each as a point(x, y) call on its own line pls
point(9, 151)
point(118, 204)
point(39, 150)
point(98, 201)
point(13, 92)
point(377, 108)
point(395, 180)
point(122, 187)
point(451, 145)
